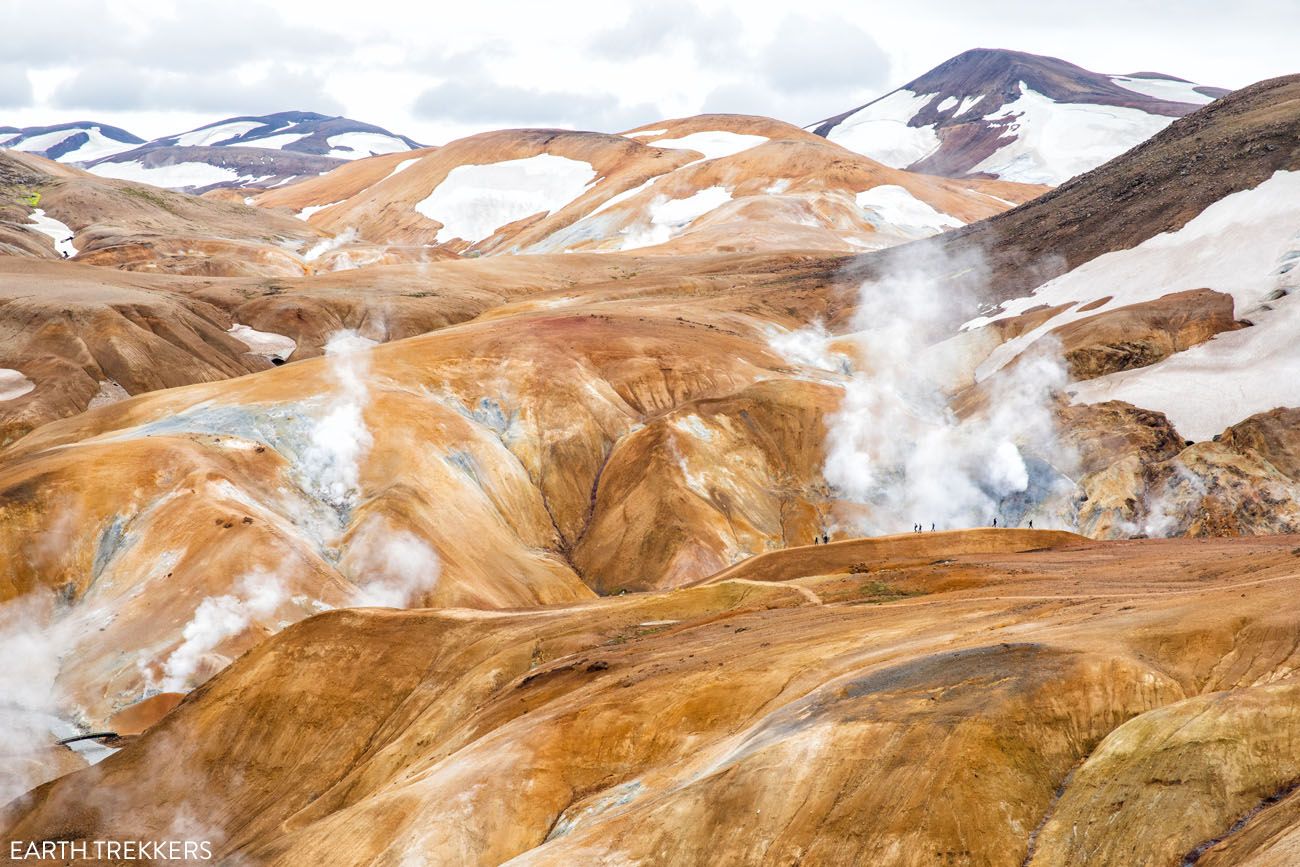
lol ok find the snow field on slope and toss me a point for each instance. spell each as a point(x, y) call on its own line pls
point(173, 176)
point(625, 195)
point(1163, 88)
point(13, 384)
point(473, 201)
point(273, 142)
point(1217, 383)
point(55, 230)
point(1057, 140)
point(712, 143)
point(98, 145)
point(355, 145)
point(1235, 246)
point(305, 213)
point(213, 134)
point(265, 343)
point(668, 217)
point(398, 169)
point(880, 130)
point(895, 207)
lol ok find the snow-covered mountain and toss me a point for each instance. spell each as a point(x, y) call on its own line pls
point(80, 141)
point(264, 151)
point(301, 132)
point(1012, 115)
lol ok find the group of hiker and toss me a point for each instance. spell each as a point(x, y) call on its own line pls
point(824, 539)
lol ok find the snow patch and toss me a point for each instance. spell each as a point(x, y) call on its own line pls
point(13, 384)
point(174, 176)
point(1163, 88)
point(274, 142)
point(355, 145)
point(473, 201)
point(881, 130)
point(305, 213)
point(713, 144)
point(213, 134)
point(894, 207)
point(1057, 140)
point(265, 343)
point(668, 217)
point(57, 231)
point(625, 195)
point(401, 167)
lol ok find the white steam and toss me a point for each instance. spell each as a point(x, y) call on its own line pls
point(810, 347)
point(340, 439)
point(258, 595)
point(32, 643)
point(325, 245)
point(391, 567)
point(1167, 506)
point(896, 446)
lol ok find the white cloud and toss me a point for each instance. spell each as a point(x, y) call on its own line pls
point(15, 86)
point(662, 28)
point(120, 86)
point(815, 55)
point(476, 99)
point(586, 63)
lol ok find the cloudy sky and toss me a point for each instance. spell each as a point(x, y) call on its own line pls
point(436, 70)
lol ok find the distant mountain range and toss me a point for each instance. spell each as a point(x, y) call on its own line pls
point(986, 113)
point(265, 150)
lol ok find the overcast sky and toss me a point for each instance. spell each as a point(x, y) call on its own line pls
point(437, 70)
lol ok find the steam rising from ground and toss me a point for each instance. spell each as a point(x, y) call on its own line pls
point(897, 447)
point(325, 245)
point(340, 438)
point(32, 643)
point(258, 595)
point(810, 347)
point(391, 567)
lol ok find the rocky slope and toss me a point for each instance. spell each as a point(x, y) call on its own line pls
point(756, 718)
point(1012, 115)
